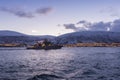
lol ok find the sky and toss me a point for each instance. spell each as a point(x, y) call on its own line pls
point(56, 17)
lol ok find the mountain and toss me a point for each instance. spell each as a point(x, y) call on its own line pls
point(10, 33)
point(16, 37)
point(89, 37)
point(69, 38)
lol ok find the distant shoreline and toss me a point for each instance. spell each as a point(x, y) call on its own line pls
point(93, 45)
point(69, 45)
point(12, 45)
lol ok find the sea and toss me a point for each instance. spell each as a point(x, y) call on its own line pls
point(68, 63)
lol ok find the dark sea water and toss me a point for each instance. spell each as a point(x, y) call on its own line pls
point(81, 63)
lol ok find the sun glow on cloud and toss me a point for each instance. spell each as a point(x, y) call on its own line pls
point(34, 31)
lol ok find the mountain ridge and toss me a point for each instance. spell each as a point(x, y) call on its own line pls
point(88, 37)
point(11, 33)
point(68, 38)
point(7, 36)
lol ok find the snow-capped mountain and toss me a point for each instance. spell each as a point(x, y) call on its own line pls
point(88, 36)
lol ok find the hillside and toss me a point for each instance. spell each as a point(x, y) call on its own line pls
point(88, 37)
point(69, 38)
point(10, 33)
point(16, 37)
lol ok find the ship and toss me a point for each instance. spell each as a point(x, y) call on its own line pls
point(45, 45)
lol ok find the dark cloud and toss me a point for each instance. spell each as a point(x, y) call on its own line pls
point(44, 10)
point(96, 26)
point(73, 27)
point(70, 26)
point(17, 12)
point(83, 21)
point(100, 26)
point(115, 25)
point(24, 13)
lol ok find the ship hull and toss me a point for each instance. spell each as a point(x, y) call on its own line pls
point(45, 48)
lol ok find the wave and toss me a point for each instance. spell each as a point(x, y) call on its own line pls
point(46, 77)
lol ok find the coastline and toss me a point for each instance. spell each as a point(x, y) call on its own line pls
point(12, 45)
point(93, 45)
point(69, 45)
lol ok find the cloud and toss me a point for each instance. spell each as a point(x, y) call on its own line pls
point(115, 25)
point(17, 12)
point(96, 26)
point(99, 26)
point(44, 10)
point(24, 13)
point(70, 26)
point(83, 21)
point(74, 27)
